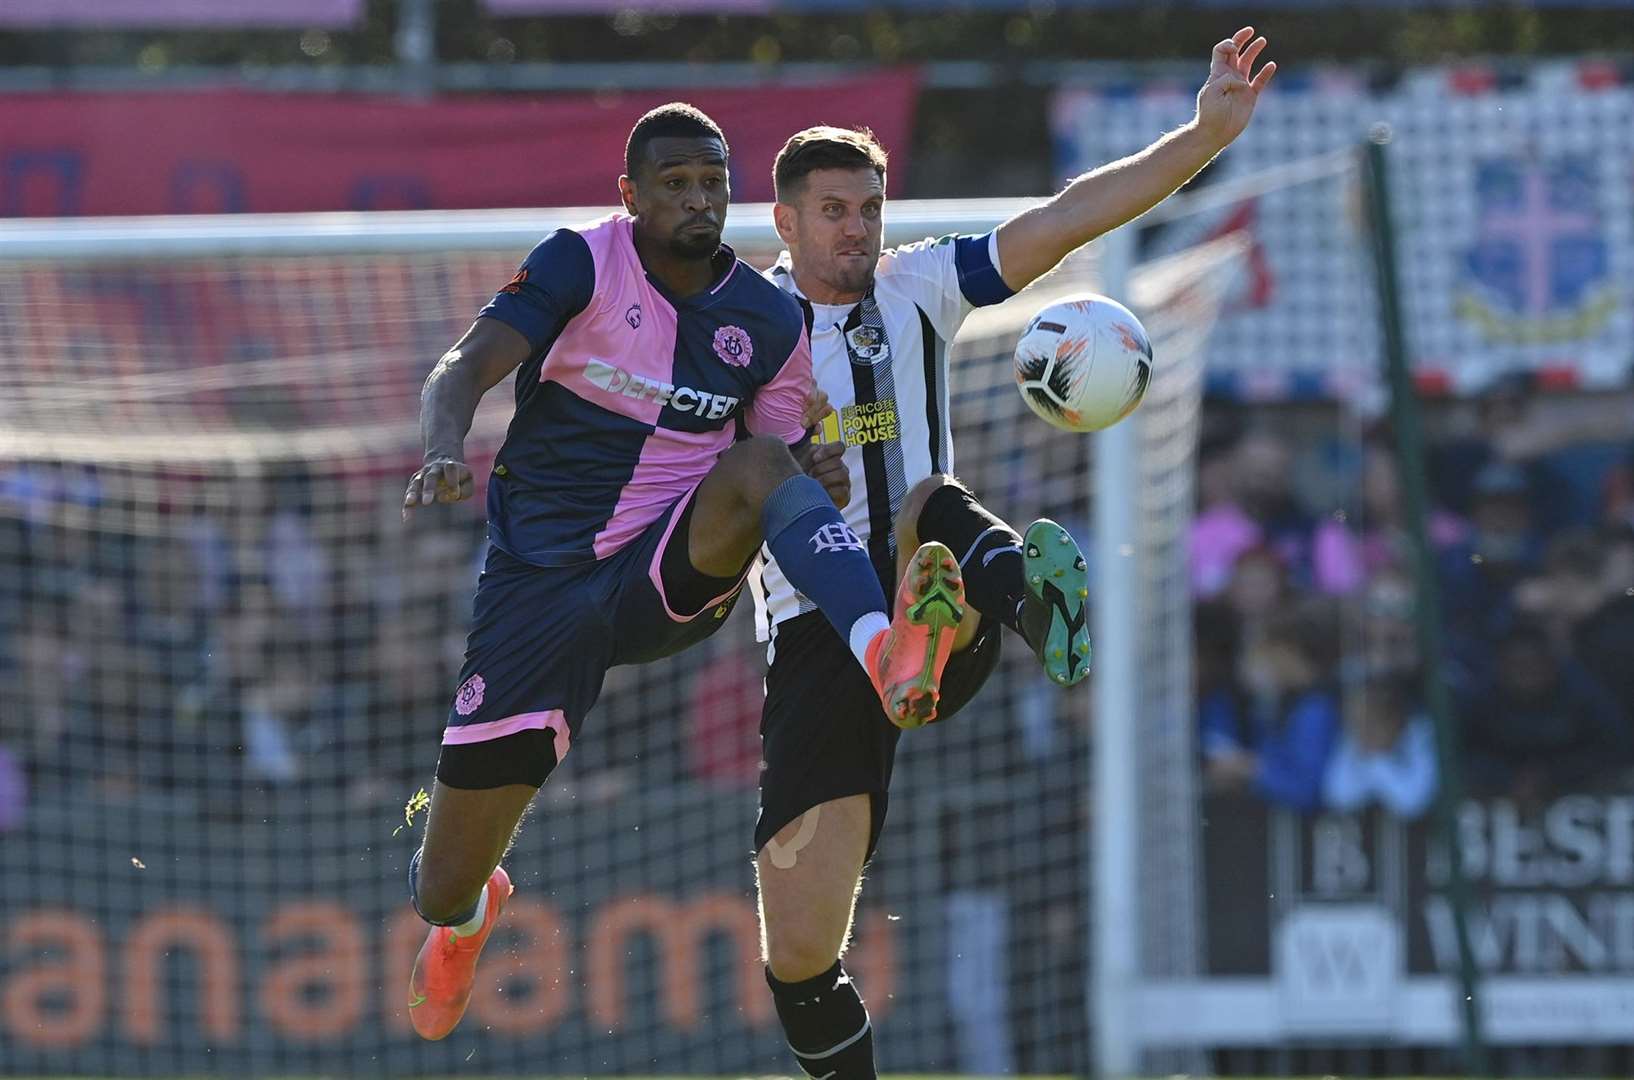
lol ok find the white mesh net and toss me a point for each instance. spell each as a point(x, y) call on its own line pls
point(224, 662)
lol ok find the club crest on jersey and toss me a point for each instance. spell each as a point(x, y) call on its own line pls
point(868, 344)
point(733, 346)
point(469, 698)
point(837, 536)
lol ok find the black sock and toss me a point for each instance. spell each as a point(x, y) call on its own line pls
point(988, 550)
point(826, 1025)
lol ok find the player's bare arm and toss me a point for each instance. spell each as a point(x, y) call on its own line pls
point(477, 363)
point(1032, 243)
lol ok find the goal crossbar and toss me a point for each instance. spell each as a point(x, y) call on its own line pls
point(749, 225)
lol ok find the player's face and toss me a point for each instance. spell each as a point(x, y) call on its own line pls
point(679, 195)
point(838, 226)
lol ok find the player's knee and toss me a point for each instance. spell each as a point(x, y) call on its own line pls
point(769, 455)
point(907, 518)
point(797, 953)
point(758, 465)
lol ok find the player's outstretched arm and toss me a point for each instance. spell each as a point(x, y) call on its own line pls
point(1031, 243)
point(488, 352)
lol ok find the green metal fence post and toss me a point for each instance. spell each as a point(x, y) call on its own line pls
point(1404, 417)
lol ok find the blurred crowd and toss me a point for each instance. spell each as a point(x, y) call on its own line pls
point(1309, 673)
point(220, 636)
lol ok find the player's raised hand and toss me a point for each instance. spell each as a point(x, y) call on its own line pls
point(440, 480)
point(1226, 102)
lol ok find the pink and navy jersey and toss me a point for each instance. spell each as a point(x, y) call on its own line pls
point(631, 393)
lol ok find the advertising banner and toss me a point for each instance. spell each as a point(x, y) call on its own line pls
point(1514, 212)
point(70, 155)
point(179, 943)
point(1338, 927)
point(180, 14)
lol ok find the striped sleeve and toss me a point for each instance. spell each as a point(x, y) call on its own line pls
point(948, 277)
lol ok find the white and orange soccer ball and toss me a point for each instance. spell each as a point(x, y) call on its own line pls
point(1083, 363)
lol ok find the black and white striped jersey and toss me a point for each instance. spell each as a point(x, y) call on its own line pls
point(883, 363)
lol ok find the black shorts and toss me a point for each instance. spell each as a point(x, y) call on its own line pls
point(542, 639)
point(824, 734)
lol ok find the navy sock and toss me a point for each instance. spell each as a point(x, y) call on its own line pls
point(988, 550)
point(826, 1025)
point(820, 554)
point(414, 896)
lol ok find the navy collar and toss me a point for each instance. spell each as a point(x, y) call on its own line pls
point(725, 265)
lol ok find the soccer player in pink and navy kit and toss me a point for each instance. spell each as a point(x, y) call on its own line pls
point(660, 386)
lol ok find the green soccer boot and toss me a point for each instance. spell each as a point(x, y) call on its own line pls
point(1054, 608)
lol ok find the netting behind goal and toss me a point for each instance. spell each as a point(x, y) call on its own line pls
point(225, 662)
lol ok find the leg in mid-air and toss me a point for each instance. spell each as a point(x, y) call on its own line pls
point(757, 492)
point(529, 681)
point(467, 833)
point(826, 824)
point(1036, 583)
point(824, 794)
point(534, 665)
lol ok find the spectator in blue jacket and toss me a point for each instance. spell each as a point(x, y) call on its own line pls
point(1284, 737)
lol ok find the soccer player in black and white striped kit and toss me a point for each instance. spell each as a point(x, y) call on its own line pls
point(880, 323)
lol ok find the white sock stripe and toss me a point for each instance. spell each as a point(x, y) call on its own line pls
point(996, 552)
point(474, 923)
point(863, 631)
point(837, 1047)
point(976, 543)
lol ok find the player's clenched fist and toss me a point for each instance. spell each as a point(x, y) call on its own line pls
point(440, 480)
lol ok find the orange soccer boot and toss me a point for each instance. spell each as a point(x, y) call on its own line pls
point(447, 965)
point(905, 661)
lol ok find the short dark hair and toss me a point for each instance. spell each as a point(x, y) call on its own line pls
point(1309, 627)
point(824, 147)
point(672, 121)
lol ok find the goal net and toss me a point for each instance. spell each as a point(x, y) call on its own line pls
point(225, 662)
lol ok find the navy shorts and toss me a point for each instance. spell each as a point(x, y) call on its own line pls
point(542, 639)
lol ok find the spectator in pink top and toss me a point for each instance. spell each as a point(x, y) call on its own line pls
point(1350, 549)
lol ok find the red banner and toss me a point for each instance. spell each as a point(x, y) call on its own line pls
point(184, 13)
point(235, 151)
